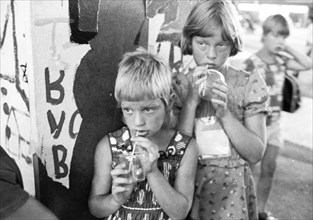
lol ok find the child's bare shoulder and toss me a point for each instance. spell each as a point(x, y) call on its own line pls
point(103, 146)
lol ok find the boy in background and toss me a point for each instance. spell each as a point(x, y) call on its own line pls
point(272, 61)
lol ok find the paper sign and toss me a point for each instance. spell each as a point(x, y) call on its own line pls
point(211, 138)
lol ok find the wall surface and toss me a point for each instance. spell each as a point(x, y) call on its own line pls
point(56, 60)
point(16, 86)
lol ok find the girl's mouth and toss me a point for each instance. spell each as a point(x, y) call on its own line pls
point(141, 133)
point(210, 65)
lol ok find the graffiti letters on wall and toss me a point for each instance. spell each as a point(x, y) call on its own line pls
point(59, 151)
point(56, 59)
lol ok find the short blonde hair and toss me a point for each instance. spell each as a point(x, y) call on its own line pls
point(205, 16)
point(276, 23)
point(143, 75)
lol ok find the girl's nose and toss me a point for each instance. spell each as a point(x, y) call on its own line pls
point(211, 53)
point(138, 119)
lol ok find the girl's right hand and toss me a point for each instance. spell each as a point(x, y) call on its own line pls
point(151, 151)
point(122, 184)
point(198, 75)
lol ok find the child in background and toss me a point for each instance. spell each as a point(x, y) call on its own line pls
point(224, 184)
point(271, 62)
point(143, 91)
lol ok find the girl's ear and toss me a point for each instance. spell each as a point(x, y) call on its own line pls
point(172, 114)
point(170, 120)
point(170, 102)
point(186, 47)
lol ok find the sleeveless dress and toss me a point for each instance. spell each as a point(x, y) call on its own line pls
point(224, 185)
point(142, 203)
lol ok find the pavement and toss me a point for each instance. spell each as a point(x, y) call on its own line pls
point(297, 131)
point(297, 126)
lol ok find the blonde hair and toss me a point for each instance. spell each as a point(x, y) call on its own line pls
point(276, 23)
point(143, 75)
point(203, 19)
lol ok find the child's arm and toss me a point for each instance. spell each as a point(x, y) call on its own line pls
point(188, 112)
point(175, 201)
point(247, 138)
point(300, 61)
point(107, 194)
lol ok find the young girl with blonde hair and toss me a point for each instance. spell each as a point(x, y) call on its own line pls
point(234, 120)
point(143, 91)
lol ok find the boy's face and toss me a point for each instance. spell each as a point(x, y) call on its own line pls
point(144, 117)
point(212, 51)
point(274, 42)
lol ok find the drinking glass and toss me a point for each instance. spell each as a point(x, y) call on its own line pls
point(205, 88)
point(133, 163)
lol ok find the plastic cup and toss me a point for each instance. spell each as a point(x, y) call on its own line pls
point(205, 88)
point(133, 163)
point(137, 169)
point(125, 159)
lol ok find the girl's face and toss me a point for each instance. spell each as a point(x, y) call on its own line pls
point(274, 42)
point(144, 117)
point(212, 51)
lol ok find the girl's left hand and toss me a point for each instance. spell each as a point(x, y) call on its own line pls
point(151, 150)
point(220, 98)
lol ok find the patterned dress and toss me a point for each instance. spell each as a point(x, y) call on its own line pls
point(142, 203)
point(224, 185)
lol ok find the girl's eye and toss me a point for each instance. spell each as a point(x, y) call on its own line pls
point(223, 44)
point(148, 110)
point(127, 110)
point(202, 44)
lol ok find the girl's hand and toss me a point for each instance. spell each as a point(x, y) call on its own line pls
point(122, 184)
point(151, 151)
point(220, 98)
point(284, 51)
point(198, 75)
